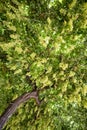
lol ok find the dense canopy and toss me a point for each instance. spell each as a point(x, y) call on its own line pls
point(43, 46)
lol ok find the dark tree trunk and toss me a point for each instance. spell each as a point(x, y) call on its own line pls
point(13, 106)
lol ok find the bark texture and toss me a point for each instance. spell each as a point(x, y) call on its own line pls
point(14, 105)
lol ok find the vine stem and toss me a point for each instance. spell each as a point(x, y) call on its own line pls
point(14, 105)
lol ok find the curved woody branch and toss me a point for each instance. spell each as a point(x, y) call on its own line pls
point(14, 105)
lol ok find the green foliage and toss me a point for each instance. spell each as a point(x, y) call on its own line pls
point(46, 42)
